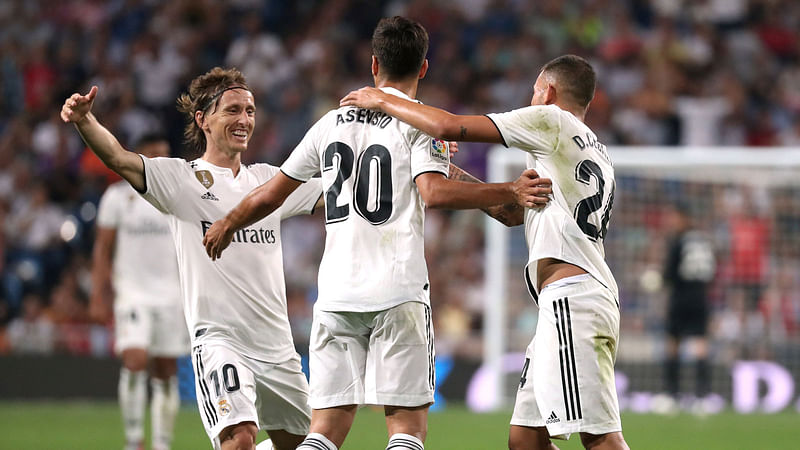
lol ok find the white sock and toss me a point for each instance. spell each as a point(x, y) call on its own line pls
point(163, 410)
point(316, 441)
point(132, 392)
point(402, 441)
point(265, 445)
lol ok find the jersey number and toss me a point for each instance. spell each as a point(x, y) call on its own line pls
point(584, 172)
point(230, 379)
point(372, 192)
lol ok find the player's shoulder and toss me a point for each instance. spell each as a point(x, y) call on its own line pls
point(544, 114)
point(262, 171)
point(334, 117)
point(170, 163)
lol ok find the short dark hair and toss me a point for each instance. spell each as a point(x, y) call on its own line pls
point(575, 77)
point(400, 45)
point(205, 92)
point(150, 138)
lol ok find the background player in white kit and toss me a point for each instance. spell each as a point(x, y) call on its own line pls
point(247, 371)
point(134, 263)
point(567, 385)
point(372, 340)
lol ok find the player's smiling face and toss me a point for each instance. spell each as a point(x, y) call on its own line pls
point(230, 125)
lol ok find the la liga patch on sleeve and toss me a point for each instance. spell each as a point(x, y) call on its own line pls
point(440, 149)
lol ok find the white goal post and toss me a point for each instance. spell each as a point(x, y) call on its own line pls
point(704, 164)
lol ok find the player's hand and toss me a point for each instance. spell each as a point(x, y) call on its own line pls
point(77, 106)
point(453, 148)
point(531, 191)
point(366, 97)
point(99, 311)
point(217, 239)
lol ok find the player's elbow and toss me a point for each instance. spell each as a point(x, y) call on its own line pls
point(435, 202)
point(432, 190)
point(448, 129)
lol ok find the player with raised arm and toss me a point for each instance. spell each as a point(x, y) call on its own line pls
point(567, 385)
point(247, 371)
point(372, 339)
point(134, 263)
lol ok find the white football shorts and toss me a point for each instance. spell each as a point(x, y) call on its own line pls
point(232, 389)
point(372, 358)
point(567, 383)
point(159, 329)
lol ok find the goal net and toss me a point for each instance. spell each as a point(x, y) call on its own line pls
point(746, 199)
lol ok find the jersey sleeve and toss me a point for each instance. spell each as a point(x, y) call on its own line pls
point(535, 129)
point(429, 155)
point(303, 199)
point(162, 181)
point(303, 163)
point(108, 211)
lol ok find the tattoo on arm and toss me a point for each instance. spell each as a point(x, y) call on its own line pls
point(463, 132)
point(510, 214)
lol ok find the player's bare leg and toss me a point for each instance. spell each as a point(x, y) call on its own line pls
point(283, 440)
point(608, 441)
point(402, 423)
point(165, 402)
point(329, 427)
point(132, 391)
point(241, 436)
point(529, 438)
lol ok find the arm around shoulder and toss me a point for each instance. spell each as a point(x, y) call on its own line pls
point(436, 122)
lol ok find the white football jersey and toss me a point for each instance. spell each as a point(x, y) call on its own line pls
point(374, 255)
point(573, 225)
point(145, 266)
point(240, 298)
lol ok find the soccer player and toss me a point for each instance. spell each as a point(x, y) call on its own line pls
point(567, 385)
point(134, 262)
point(371, 338)
point(247, 371)
point(688, 272)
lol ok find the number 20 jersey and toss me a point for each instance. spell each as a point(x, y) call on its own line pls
point(374, 247)
point(573, 225)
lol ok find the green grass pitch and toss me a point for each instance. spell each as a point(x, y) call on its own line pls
point(90, 426)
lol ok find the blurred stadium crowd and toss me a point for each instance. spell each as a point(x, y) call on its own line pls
point(712, 72)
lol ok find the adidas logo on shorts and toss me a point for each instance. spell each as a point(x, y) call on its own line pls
point(552, 418)
point(209, 196)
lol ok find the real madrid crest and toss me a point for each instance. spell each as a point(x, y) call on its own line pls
point(205, 178)
point(224, 408)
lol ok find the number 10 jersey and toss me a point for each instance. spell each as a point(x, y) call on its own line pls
point(374, 255)
point(573, 225)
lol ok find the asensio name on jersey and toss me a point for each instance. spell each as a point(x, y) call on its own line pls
point(572, 226)
point(222, 302)
point(374, 255)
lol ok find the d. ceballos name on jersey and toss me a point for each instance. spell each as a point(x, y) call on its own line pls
point(247, 235)
point(591, 142)
point(362, 115)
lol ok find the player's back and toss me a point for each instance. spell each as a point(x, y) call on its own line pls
point(573, 226)
point(374, 251)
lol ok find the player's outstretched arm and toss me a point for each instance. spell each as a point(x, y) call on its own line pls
point(528, 191)
point(78, 110)
point(510, 214)
point(433, 121)
point(256, 205)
